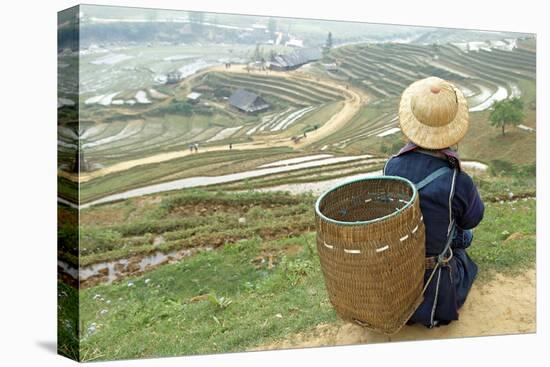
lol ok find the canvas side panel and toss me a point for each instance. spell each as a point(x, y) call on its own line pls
point(68, 160)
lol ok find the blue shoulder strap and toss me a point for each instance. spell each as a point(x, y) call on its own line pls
point(431, 177)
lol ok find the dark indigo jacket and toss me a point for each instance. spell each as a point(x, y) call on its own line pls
point(455, 279)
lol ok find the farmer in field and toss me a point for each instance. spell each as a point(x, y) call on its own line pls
point(433, 115)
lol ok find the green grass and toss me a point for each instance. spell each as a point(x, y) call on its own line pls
point(192, 218)
point(246, 302)
point(68, 321)
point(504, 242)
point(159, 318)
point(484, 142)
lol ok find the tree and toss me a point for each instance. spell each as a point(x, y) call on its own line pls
point(507, 112)
point(328, 44)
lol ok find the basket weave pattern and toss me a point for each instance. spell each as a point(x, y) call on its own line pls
point(370, 240)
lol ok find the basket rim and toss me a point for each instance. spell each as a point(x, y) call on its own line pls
point(363, 222)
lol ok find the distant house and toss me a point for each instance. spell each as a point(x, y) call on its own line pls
point(194, 97)
point(173, 77)
point(332, 67)
point(294, 59)
point(247, 102)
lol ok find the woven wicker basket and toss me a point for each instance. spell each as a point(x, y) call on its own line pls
point(370, 240)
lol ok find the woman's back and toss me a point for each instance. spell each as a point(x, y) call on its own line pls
point(467, 207)
point(444, 296)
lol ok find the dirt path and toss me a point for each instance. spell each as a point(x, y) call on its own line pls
point(123, 166)
point(352, 103)
point(505, 305)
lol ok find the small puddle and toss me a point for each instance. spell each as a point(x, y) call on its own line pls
point(109, 271)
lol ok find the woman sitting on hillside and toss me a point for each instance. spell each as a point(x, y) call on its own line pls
point(433, 115)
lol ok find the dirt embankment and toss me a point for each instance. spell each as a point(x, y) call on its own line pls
point(505, 305)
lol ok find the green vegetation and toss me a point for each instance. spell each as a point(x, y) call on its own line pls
point(173, 124)
point(191, 219)
point(517, 146)
point(507, 112)
point(253, 290)
point(177, 108)
point(68, 335)
point(227, 300)
point(68, 234)
point(504, 242)
point(262, 281)
point(385, 70)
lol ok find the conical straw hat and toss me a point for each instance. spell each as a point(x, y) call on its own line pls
point(433, 113)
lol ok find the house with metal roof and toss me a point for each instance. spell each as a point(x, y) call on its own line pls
point(295, 59)
point(248, 102)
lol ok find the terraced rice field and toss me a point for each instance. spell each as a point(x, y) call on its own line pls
point(146, 128)
point(385, 70)
point(147, 200)
point(113, 135)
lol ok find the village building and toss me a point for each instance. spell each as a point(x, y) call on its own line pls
point(194, 97)
point(294, 59)
point(247, 102)
point(173, 77)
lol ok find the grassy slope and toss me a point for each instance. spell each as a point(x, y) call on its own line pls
point(192, 219)
point(67, 321)
point(159, 318)
point(485, 142)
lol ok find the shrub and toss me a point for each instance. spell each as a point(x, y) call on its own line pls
point(501, 168)
point(176, 107)
point(219, 93)
point(203, 110)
